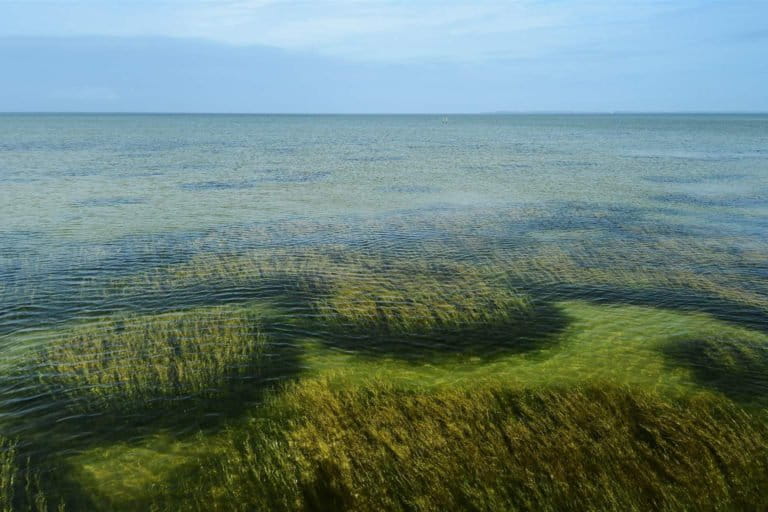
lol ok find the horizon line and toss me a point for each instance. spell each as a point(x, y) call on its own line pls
point(494, 112)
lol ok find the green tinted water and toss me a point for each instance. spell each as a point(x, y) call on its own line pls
point(531, 250)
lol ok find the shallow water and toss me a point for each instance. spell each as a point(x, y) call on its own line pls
point(532, 249)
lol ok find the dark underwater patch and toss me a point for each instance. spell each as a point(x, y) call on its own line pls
point(7, 176)
point(305, 177)
point(429, 316)
point(110, 201)
point(724, 202)
point(573, 164)
point(154, 146)
point(282, 150)
point(272, 177)
point(693, 180)
point(510, 166)
point(79, 173)
point(682, 157)
point(367, 159)
point(218, 185)
point(409, 189)
point(735, 367)
point(514, 166)
point(573, 216)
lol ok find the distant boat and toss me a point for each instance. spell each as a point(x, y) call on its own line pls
point(445, 120)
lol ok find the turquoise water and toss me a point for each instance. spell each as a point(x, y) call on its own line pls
point(626, 232)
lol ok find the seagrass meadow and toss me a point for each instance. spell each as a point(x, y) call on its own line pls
point(371, 313)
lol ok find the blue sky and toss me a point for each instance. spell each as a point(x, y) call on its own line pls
point(383, 56)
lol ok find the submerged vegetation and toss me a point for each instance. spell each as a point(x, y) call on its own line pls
point(129, 361)
point(623, 271)
point(7, 474)
point(734, 366)
point(416, 420)
point(322, 445)
point(413, 303)
point(20, 489)
point(273, 269)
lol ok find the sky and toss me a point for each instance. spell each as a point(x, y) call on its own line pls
point(370, 56)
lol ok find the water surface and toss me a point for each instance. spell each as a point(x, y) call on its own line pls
point(629, 239)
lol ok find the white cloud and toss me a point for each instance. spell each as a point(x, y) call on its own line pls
point(398, 29)
point(356, 29)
